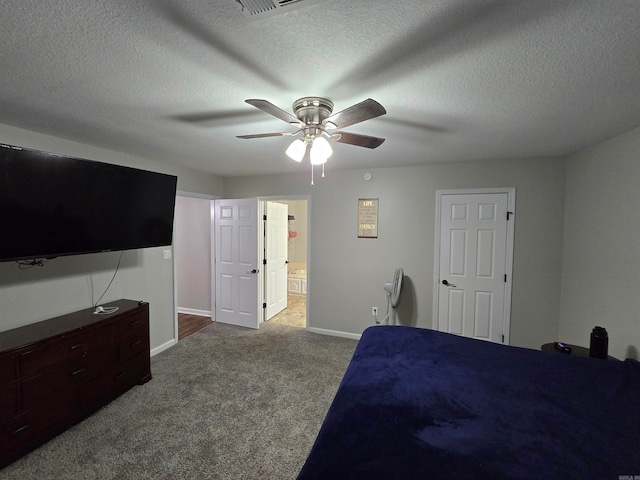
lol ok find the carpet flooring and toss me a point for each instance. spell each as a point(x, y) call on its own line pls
point(224, 403)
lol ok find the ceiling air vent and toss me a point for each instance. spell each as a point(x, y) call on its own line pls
point(264, 8)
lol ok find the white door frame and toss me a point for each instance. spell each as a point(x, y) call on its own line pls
point(261, 201)
point(511, 202)
point(261, 204)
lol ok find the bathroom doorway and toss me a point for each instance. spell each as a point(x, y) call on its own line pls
point(296, 312)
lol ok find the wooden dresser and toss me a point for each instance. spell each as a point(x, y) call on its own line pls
point(57, 372)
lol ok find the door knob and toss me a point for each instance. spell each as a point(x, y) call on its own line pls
point(444, 282)
point(253, 271)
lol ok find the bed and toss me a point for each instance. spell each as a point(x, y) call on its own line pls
point(420, 404)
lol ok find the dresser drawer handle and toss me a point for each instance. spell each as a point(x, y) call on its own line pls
point(135, 344)
point(75, 347)
point(121, 376)
point(19, 431)
point(78, 372)
point(135, 322)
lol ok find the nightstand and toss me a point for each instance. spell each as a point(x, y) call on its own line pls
point(576, 351)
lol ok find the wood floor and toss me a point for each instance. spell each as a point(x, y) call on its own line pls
point(188, 324)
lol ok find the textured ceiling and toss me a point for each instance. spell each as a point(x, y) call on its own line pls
point(461, 80)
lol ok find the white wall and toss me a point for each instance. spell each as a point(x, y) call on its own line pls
point(346, 274)
point(601, 258)
point(64, 284)
point(192, 240)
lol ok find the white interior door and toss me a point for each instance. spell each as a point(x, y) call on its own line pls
point(276, 233)
point(236, 261)
point(473, 288)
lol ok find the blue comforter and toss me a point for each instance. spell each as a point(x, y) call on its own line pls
point(420, 404)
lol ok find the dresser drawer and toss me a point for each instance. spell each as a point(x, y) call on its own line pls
point(39, 388)
point(134, 344)
point(8, 400)
point(101, 389)
point(7, 369)
point(133, 323)
point(65, 349)
point(38, 423)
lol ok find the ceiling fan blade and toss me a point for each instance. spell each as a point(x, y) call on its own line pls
point(265, 135)
point(271, 109)
point(356, 113)
point(359, 140)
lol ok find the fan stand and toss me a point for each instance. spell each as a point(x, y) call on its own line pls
point(386, 319)
point(387, 290)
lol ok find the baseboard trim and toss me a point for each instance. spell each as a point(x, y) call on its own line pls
point(334, 333)
point(193, 311)
point(163, 347)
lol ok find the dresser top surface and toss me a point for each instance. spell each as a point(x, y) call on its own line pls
point(71, 322)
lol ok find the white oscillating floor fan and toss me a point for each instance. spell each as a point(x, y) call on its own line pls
point(393, 290)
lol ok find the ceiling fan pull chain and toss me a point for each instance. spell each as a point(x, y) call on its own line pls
point(323, 170)
point(312, 175)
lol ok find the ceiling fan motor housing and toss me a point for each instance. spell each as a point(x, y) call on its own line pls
point(312, 110)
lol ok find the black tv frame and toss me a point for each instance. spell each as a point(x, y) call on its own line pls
point(54, 205)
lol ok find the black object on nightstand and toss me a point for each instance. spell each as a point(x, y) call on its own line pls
point(599, 343)
point(561, 347)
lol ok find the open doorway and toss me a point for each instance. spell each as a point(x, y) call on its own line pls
point(297, 266)
point(192, 263)
point(239, 259)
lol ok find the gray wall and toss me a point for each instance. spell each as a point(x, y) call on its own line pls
point(65, 284)
point(192, 241)
point(601, 260)
point(557, 293)
point(346, 274)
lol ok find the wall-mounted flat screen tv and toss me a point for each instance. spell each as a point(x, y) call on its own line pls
point(53, 205)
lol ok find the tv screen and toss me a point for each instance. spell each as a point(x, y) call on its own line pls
point(52, 205)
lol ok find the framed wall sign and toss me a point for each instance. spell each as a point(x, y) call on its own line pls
point(368, 218)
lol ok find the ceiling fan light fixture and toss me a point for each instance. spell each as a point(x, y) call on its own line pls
point(296, 150)
point(315, 118)
point(320, 151)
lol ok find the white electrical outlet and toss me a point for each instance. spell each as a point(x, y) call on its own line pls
point(374, 311)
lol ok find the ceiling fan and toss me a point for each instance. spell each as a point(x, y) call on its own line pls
point(317, 125)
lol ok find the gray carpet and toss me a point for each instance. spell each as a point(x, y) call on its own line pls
point(225, 403)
